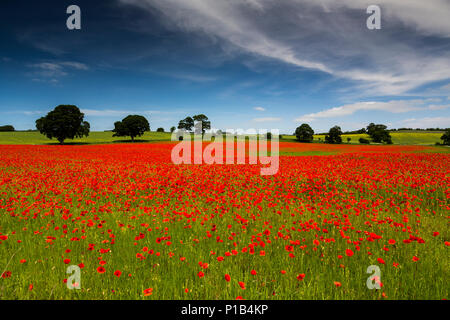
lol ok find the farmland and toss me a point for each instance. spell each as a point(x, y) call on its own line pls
point(398, 137)
point(99, 137)
point(141, 227)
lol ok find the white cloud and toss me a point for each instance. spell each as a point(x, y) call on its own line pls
point(428, 122)
point(327, 36)
point(259, 109)
point(438, 107)
point(267, 119)
point(54, 70)
point(394, 106)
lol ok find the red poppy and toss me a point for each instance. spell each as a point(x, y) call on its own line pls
point(148, 292)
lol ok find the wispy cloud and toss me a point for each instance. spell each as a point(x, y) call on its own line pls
point(52, 71)
point(314, 34)
point(259, 109)
point(428, 122)
point(393, 106)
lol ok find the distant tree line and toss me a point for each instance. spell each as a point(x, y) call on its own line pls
point(377, 132)
point(419, 129)
point(67, 122)
point(7, 128)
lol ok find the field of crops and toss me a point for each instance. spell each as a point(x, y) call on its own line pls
point(140, 227)
point(96, 137)
point(398, 137)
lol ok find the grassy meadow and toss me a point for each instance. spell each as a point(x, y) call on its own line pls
point(100, 137)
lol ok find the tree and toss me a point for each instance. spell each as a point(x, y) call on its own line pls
point(364, 141)
point(172, 129)
point(203, 120)
point(160, 130)
point(132, 126)
point(7, 128)
point(304, 133)
point(334, 135)
point(378, 133)
point(64, 122)
point(186, 124)
point(446, 137)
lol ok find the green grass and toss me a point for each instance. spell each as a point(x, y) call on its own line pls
point(399, 137)
point(95, 137)
point(100, 137)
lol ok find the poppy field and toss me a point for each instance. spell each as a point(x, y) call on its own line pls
point(140, 227)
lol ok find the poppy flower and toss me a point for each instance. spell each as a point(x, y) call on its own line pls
point(148, 292)
point(101, 270)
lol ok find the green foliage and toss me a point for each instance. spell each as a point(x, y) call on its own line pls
point(186, 124)
point(64, 122)
point(160, 130)
point(446, 137)
point(131, 126)
point(7, 128)
point(304, 133)
point(334, 135)
point(364, 141)
point(202, 120)
point(172, 129)
point(378, 133)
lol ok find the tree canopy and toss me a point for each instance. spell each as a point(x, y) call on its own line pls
point(7, 128)
point(131, 126)
point(378, 133)
point(334, 135)
point(64, 122)
point(304, 133)
point(202, 120)
point(446, 137)
point(186, 124)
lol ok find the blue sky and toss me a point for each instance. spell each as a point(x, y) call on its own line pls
point(269, 64)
